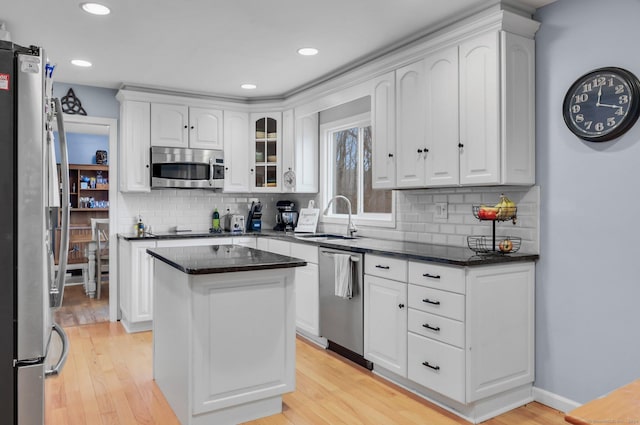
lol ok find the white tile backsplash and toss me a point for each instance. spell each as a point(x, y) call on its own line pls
point(163, 210)
point(415, 216)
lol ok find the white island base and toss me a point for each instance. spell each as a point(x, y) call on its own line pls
point(223, 343)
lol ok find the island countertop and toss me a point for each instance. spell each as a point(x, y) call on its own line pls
point(222, 259)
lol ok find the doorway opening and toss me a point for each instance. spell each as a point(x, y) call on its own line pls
point(90, 294)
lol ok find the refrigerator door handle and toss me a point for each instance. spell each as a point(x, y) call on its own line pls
point(57, 290)
point(63, 356)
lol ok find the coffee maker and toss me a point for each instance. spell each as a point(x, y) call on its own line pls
point(287, 216)
point(254, 219)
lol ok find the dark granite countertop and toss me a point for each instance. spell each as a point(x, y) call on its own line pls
point(222, 259)
point(458, 256)
point(180, 235)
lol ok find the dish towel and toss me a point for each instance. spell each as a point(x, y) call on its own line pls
point(342, 264)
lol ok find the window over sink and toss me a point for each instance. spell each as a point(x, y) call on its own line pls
point(347, 170)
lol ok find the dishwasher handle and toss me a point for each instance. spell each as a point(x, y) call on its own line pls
point(354, 258)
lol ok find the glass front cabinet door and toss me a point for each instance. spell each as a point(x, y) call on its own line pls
point(267, 152)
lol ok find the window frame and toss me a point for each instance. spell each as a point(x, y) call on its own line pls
point(326, 177)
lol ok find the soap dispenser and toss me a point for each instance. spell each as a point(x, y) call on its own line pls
point(140, 227)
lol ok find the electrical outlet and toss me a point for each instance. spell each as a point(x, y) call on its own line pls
point(442, 210)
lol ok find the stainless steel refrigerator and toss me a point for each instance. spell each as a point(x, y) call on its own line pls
point(30, 212)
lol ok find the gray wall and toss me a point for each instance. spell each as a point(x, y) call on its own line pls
point(588, 276)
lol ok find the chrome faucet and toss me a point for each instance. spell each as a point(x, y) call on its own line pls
point(351, 227)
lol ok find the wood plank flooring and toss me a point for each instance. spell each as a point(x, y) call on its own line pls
point(78, 309)
point(108, 381)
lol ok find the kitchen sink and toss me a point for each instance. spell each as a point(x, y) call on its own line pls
point(324, 236)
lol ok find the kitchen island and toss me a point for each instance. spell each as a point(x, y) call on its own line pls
point(223, 331)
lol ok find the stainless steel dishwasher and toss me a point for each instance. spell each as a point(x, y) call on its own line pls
point(342, 320)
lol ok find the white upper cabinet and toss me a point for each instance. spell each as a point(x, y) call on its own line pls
point(236, 151)
point(266, 151)
point(306, 153)
point(497, 95)
point(169, 125)
point(410, 128)
point(479, 113)
point(383, 122)
point(441, 118)
point(518, 111)
point(299, 152)
point(134, 149)
point(205, 128)
point(181, 126)
point(288, 151)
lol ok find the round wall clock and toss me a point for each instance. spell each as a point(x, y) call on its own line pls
point(602, 104)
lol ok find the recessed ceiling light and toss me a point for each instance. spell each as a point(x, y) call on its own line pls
point(81, 63)
point(95, 8)
point(308, 51)
point(248, 86)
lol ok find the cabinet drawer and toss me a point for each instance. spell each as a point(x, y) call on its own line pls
point(387, 267)
point(437, 276)
point(307, 252)
point(442, 303)
point(437, 366)
point(436, 327)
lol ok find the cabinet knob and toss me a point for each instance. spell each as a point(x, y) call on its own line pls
point(226, 168)
point(186, 126)
point(390, 155)
point(400, 305)
point(460, 145)
point(192, 127)
point(419, 150)
point(147, 165)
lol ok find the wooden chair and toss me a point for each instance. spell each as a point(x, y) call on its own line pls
point(100, 234)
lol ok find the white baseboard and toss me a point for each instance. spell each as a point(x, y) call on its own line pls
point(554, 401)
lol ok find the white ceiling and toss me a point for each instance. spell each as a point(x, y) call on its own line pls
point(213, 46)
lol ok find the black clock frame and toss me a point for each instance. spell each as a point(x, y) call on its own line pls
point(628, 121)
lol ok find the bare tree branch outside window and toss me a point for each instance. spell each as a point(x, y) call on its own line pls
point(346, 146)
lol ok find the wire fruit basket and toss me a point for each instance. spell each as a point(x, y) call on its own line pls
point(494, 244)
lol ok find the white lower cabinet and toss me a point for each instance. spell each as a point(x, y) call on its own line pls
point(136, 276)
point(249, 241)
point(307, 299)
point(466, 336)
point(136, 284)
point(385, 318)
point(307, 282)
point(437, 366)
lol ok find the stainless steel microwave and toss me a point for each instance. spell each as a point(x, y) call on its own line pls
point(186, 168)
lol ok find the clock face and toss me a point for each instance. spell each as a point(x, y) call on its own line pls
point(602, 104)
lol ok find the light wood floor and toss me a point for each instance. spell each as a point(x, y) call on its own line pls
point(108, 380)
point(78, 309)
